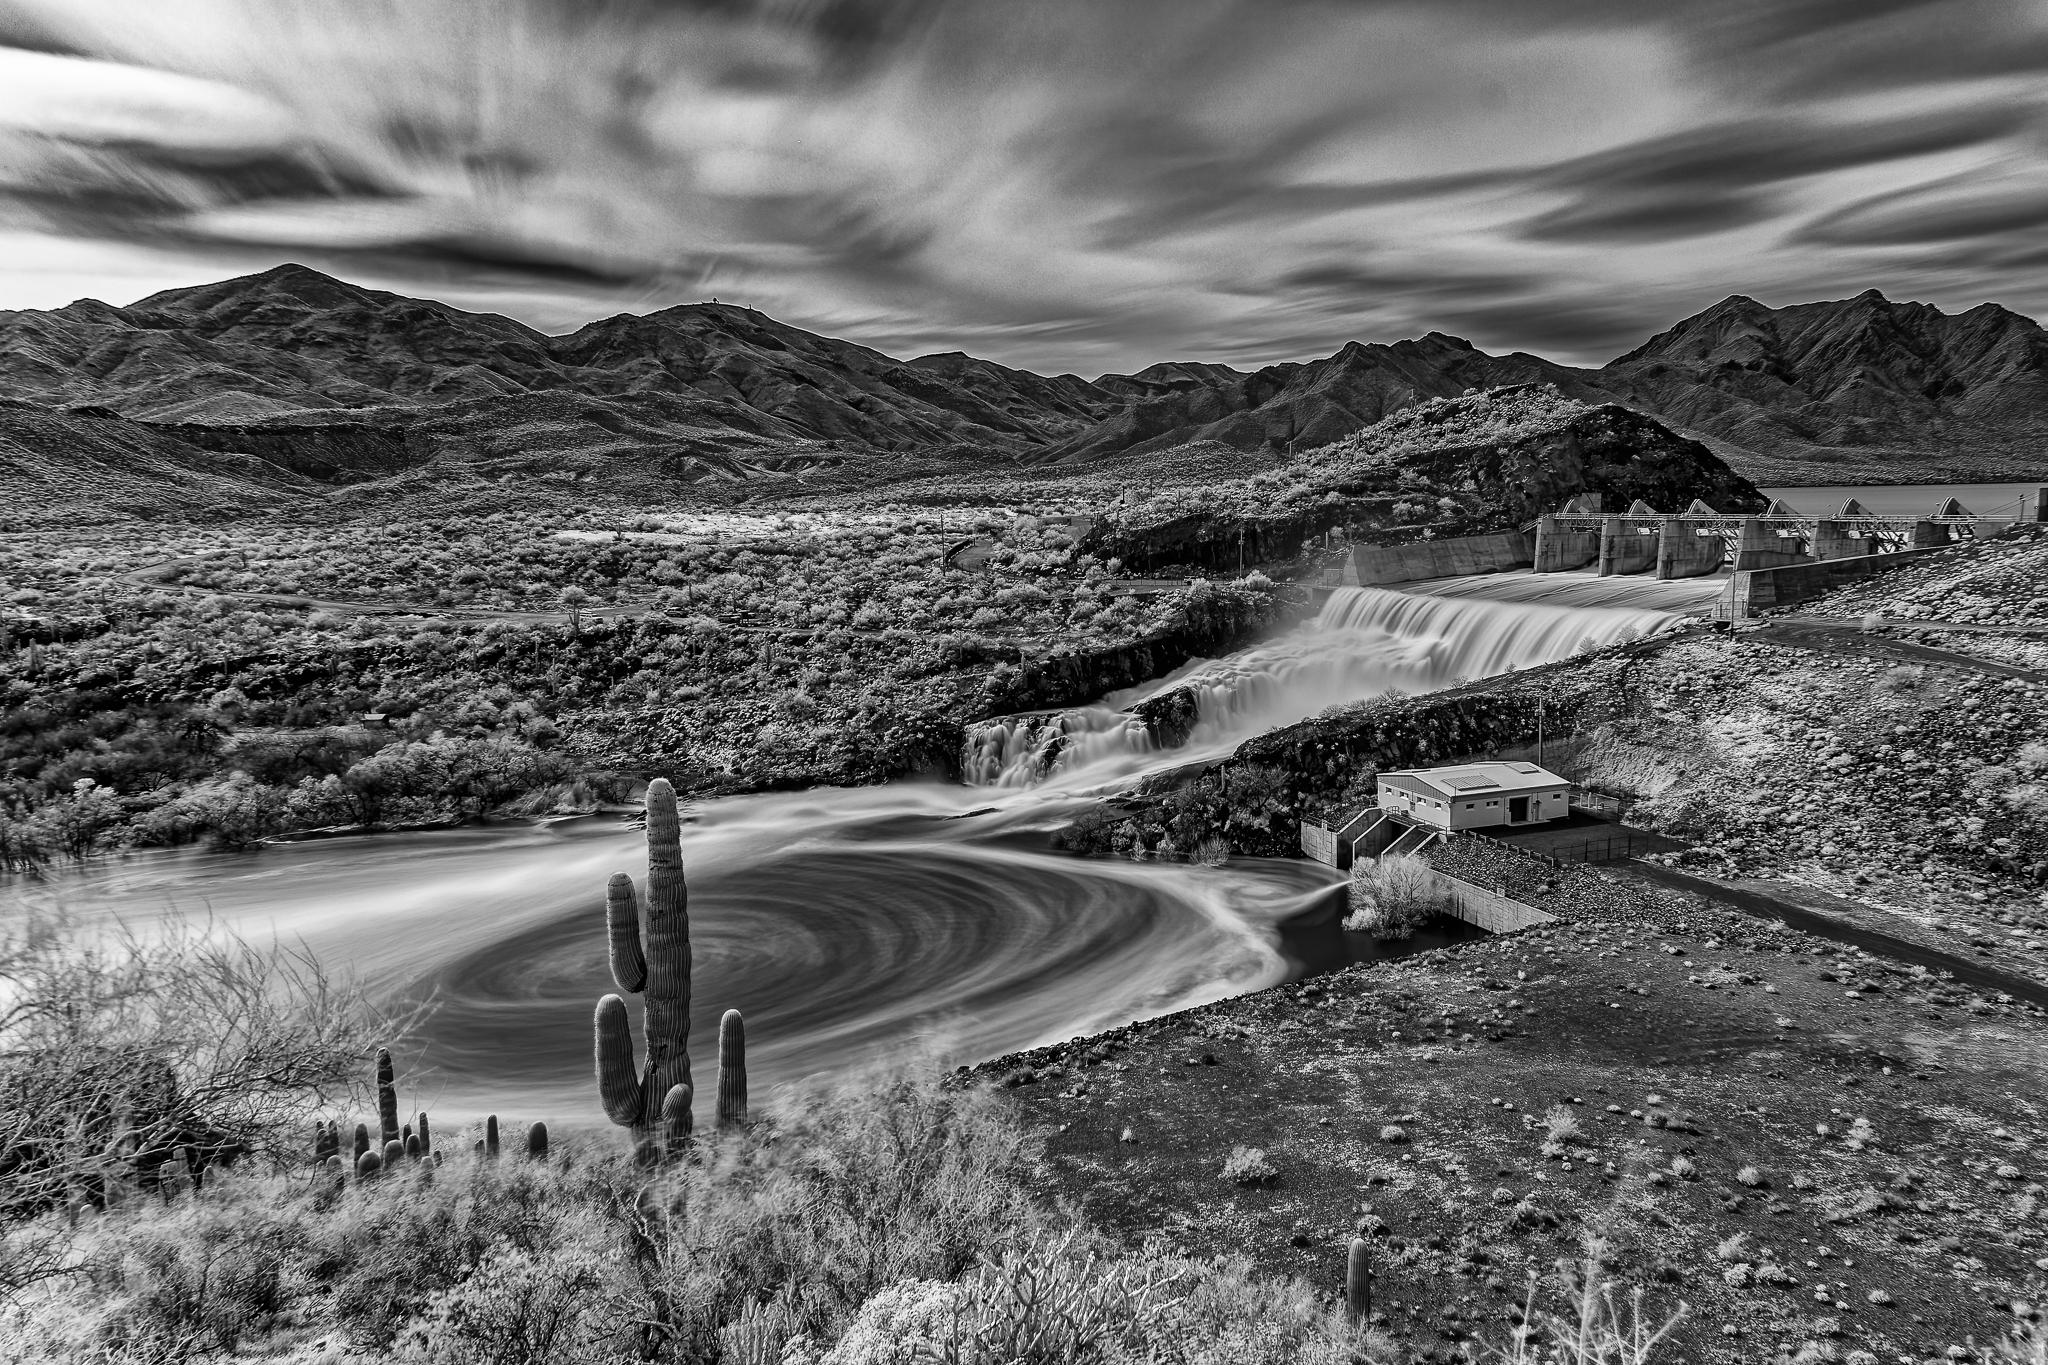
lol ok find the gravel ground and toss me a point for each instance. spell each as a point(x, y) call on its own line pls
point(1804, 1144)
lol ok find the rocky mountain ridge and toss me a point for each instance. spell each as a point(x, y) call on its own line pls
point(318, 381)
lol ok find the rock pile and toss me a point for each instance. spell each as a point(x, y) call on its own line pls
point(1992, 582)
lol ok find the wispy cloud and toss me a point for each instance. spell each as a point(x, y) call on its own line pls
point(1065, 184)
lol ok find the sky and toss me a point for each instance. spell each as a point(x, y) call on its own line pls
point(1064, 185)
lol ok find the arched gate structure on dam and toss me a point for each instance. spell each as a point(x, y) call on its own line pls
point(1701, 540)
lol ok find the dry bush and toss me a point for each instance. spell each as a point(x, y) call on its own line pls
point(1394, 896)
point(852, 1189)
point(1598, 1323)
point(1249, 1166)
point(135, 1061)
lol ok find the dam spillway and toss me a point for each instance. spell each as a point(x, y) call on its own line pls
point(1363, 643)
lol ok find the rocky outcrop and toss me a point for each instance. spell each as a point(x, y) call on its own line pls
point(1211, 619)
point(1293, 407)
point(1488, 462)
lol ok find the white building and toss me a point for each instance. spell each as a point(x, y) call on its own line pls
point(1475, 795)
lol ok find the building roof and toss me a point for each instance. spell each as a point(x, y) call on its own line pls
point(1472, 779)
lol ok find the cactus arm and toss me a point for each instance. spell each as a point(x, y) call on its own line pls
point(618, 1080)
point(622, 918)
point(675, 1117)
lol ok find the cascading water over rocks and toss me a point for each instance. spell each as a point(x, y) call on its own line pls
point(1365, 642)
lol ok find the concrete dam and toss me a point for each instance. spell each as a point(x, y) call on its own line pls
point(1774, 558)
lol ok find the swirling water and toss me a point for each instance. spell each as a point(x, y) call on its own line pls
point(846, 924)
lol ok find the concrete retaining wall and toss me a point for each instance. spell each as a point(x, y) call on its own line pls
point(1420, 559)
point(1751, 591)
point(1490, 910)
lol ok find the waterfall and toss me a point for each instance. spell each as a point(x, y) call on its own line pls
point(1365, 642)
point(1016, 751)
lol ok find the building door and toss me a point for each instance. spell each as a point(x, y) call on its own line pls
point(1518, 809)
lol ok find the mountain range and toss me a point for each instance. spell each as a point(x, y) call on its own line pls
point(284, 382)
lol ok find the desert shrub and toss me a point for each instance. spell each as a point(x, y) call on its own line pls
point(518, 1308)
point(879, 1181)
point(1598, 1321)
point(1561, 1130)
point(396, 1248)
point(1221, 1313)
point(1394, 896)
point(191, 1276)
point(1248, 1166)
point(1051, 1300)
point(2025, 1344)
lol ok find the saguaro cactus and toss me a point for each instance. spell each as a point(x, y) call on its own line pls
point(732, 1070)
point(490, 1142)
point(387, 1098)
point(1358, 1280)
point(650, 952)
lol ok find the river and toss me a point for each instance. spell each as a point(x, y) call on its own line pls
point(849, 925)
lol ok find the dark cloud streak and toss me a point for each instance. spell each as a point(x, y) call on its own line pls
point(1066, 184)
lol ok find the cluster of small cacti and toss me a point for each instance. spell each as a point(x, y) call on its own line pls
point(399, 1142)
point(650, 956)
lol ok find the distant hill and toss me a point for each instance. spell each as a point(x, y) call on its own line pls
point(324, 383)
point(1854, 389)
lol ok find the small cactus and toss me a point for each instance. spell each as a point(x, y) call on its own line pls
point(394, 1152)
point(387, 1098)
point(1358, 1280)
point(367, 1165)
point(537, 1142)
point(638, 1095)
point(362, 1141)
point(326, 1140)
point(490, 1143)
point(412, 1147)
point(426, 1138)
point(732, 1070)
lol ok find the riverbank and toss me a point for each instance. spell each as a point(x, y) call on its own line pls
point(1760, 1125)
